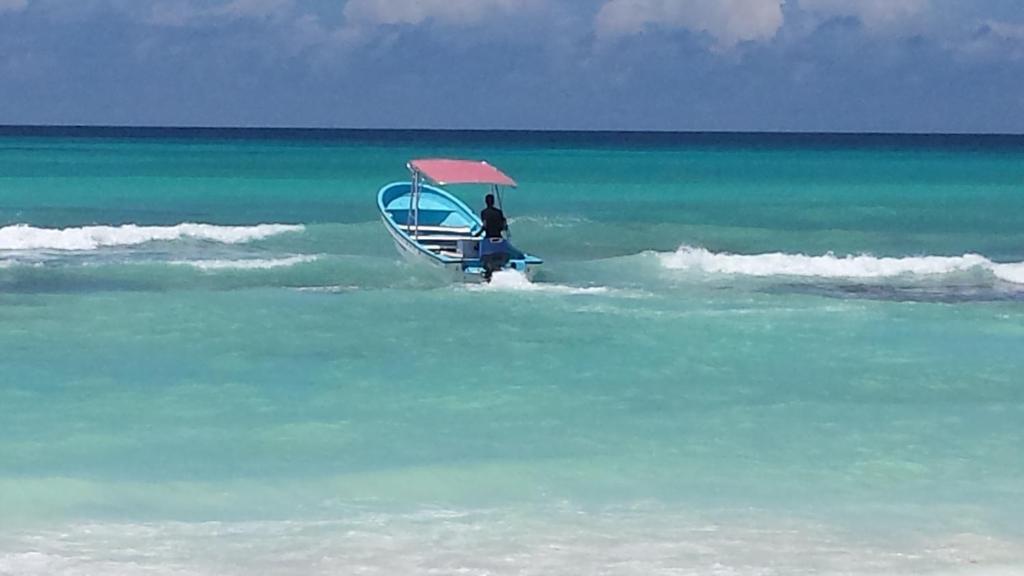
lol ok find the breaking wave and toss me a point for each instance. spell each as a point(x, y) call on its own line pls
point(551, 221)
point(513, 281)
point(1010, 272)
point(25, 237)
point(500, 541)
point(247, 264)
point(832, 266)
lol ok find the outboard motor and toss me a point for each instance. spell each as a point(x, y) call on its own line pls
point(494, 255)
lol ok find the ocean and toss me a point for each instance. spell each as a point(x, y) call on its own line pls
point(746, 354)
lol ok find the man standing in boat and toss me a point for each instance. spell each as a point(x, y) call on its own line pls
point(493, 251)
point(493, 219)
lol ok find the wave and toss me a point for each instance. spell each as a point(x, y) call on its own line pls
point(247, 263)
point(1010, 272)
point(832, 266)
point(567, 541)
point(551, 221)
point(513, 281)
point(25, 237)
point(333, 289)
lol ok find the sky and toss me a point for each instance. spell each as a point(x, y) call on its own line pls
point(680, 65)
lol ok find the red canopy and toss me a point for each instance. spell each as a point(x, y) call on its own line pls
point(447, 171)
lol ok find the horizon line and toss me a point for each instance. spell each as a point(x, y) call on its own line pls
point(724, 132)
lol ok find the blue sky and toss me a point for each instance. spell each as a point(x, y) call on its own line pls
point(809, 65)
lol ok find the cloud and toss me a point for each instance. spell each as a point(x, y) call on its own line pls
point(12, 5)
point(186, 12)
point(1006, 30)
point(255, 8)
point(728, 21)
point(455, 12)
point(995, 40)
point(873, 13)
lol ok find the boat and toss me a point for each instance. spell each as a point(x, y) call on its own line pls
point(429, 224)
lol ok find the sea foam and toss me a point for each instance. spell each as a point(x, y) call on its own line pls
point(247, 264)
point(1010, 272)
point(514, 281)
point(450, 542)
point(832, 266)
point(25, 237)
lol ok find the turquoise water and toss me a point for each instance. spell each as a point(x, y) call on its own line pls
point(744, 355)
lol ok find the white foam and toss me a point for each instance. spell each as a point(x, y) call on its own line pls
point(832, 266)
point(336, 289)
point(25, 237)
point(28, 263)
point(1010, 272)
point(514, 281)
point(550, 222)
point(500, 542)
point(247, 264)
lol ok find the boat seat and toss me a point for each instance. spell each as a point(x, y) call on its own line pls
point(442, 229)
point(443, 251)
point(440, 251)
point(441, 238)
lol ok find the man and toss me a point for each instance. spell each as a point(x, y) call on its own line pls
point(493, 219)
point(493, 249)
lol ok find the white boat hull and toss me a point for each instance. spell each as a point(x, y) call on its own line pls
point(417, 256)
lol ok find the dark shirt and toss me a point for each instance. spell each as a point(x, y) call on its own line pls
point(494, 222)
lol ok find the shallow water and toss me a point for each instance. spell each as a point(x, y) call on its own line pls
point(748, 355)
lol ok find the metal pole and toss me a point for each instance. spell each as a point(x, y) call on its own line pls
point(414, 205)
point(501, 206)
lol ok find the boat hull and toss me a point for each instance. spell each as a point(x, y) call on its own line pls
point(455, 271)
point(392, 201)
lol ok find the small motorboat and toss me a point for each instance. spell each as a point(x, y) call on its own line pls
point(429, 224)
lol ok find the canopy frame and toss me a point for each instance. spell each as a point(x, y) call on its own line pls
point(445, 171)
